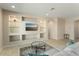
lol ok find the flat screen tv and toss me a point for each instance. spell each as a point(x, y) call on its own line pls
point(31, 27)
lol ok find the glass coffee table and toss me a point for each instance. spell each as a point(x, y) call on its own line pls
point(38, 46)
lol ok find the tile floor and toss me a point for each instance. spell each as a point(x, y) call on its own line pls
point(14, 51)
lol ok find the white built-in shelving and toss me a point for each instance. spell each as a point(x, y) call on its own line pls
point(18, 33)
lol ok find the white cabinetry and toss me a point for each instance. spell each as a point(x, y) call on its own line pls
point(18, 33)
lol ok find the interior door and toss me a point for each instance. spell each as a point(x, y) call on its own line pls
point(50, 29)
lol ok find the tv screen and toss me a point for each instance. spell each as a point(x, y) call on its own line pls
point(31, 27)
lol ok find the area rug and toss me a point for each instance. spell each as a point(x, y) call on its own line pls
point(49, 51)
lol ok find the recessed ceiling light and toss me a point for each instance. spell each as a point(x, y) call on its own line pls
point(13, 6)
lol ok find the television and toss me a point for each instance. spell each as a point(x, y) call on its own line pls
point(31, 26)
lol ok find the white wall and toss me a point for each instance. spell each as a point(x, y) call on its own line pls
point(61, 28)
point(76, 30)
point(64, 26)
point(52, 28)
point(69, 28)
point(1, 29)
point(56, 28)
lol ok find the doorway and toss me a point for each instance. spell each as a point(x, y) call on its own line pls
point(50, 29)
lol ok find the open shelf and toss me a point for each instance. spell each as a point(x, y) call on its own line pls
point(14, 38)
point(31, 36)
point(23, 37)
point(41, 35)
point(14, 29)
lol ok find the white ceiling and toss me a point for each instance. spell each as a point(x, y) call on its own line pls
point(41, 9)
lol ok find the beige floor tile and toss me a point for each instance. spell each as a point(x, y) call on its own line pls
point(14, 51)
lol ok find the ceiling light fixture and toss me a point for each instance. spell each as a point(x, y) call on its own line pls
point(13, 6)
point(50, 11)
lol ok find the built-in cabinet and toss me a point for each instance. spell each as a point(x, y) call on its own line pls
point(20, 29)
point(24, 28)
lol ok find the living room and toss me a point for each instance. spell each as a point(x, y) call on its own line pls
point(54, 26)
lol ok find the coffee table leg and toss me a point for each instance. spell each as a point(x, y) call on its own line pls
point(44, 47)
point(36, 50)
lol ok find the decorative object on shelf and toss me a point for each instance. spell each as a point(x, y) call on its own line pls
point(15, 20)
